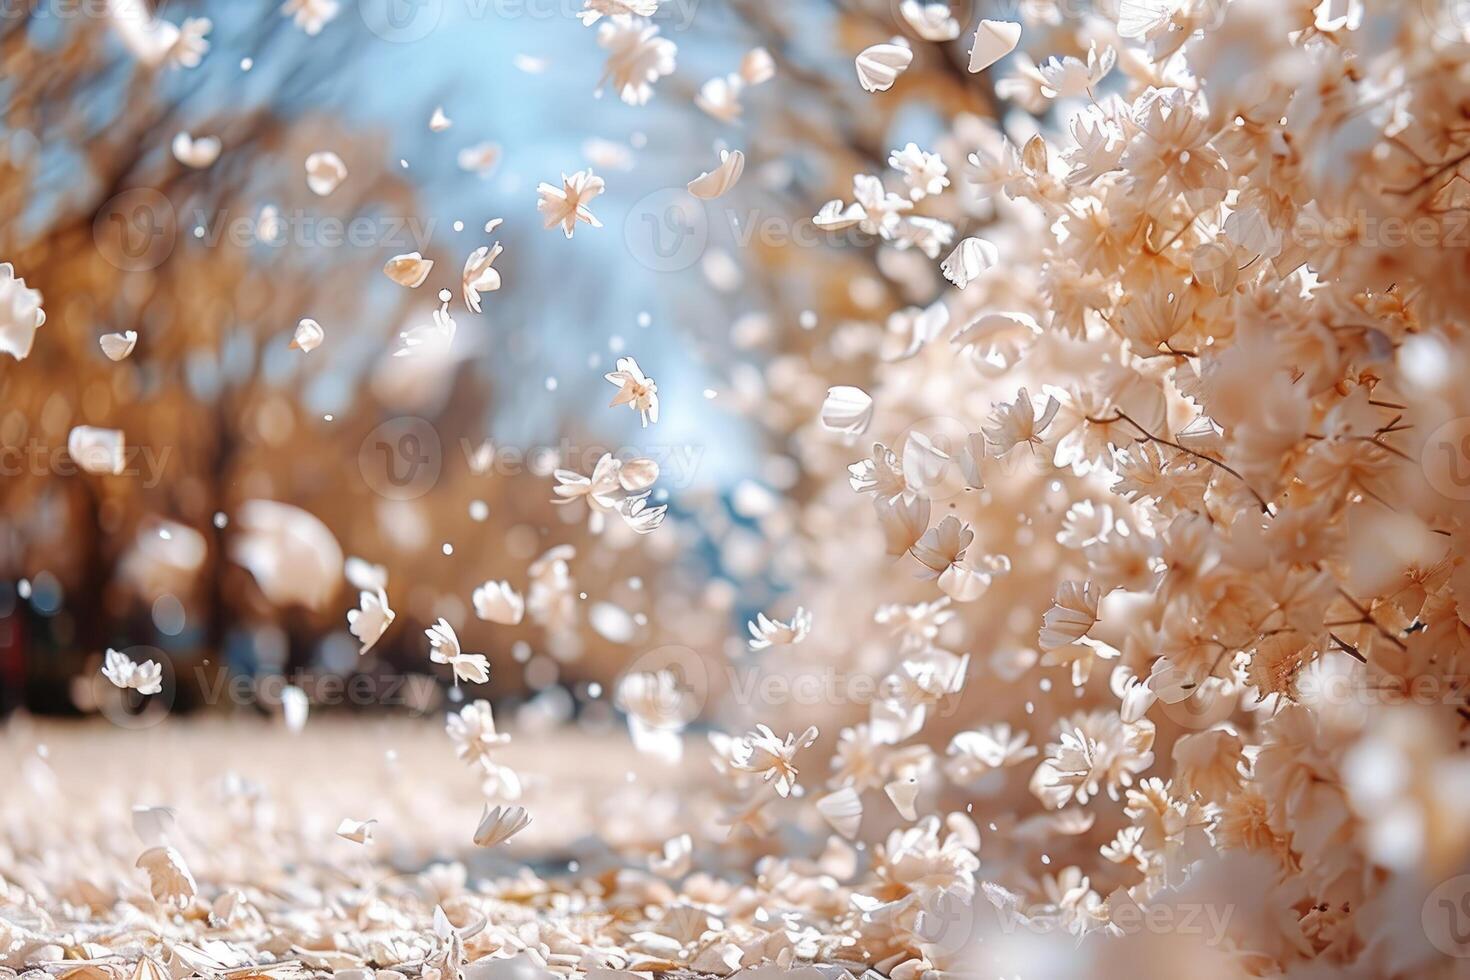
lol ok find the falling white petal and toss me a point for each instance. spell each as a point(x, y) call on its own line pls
point(843, 810)
point(931, 21)
point(847, 410)
point(497, 602)
point(714, 183)
point(499, 824)
point(195, 152)
point(20, 314)
point(295, 707)
point(879, 66)
point(169, 879)
point(410, 269)
point(97, 450)
point(479, 274)
point(757, 67)
point(308, 336)
point(117, 346)
point(293, 556)
point(370, 620)
point(325, 171)
point(357, 831)
point(903, 793)
point(993, 41)
point(969, 260)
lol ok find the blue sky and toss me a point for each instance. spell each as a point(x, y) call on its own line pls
point(568, 301)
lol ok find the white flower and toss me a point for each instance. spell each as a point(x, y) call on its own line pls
point(611, 479)
point(434, 337)
point(923, 173)
point(145, 678)
point(641, 518)
point(97, 450)
point(847, 410)
point(308, 336)
point(197, 153)
point(879, 66)
point(975, 753)
point(636, 57)
point(772, 758)
point(117, 346)
point(931, 21)
point(409, 269)
point(479, 275)
point(357, 831)
point(969, 259)
point(928, 235)
point(20, 314)
point(169, 879)
point(1140, 19)
point(1100, 145)
point(153, 41)
point(499, 824)
point(325, 171)
point(993, 41)
point(712, 184)
point(765, 632)
point(1018, 423)
point(444, 649)
point(614, 486)
point(881, 208)
point(190, 44)
point(438, 121)
point(311, 15)
point(567, 204)
point(472, 729)
point(371, 620)
point(635, 389)
point(497, 602)
point(1070, 617)
point(595, 10)
point(1070, 77)
point(943, 545)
